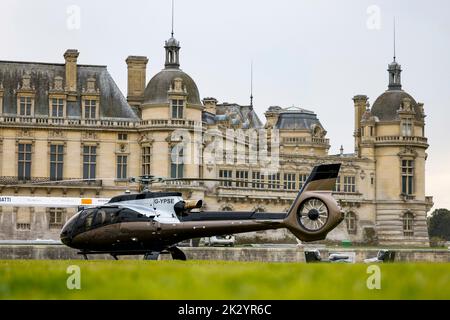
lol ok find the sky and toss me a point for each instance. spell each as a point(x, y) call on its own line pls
point(313, 54)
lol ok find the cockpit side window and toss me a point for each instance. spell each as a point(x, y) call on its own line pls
point(128, 215)
point(84, 221)
point(89, 219)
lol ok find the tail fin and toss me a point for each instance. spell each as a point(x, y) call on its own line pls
point(315, 212)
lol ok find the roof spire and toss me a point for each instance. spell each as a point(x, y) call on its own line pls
point(251, 83)
point(172, 16)
point(395, 69)
point(394, 42)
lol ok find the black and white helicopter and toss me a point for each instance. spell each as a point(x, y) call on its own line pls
point(149, 223)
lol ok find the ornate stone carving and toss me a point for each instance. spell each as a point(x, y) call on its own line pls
point(88, 135)
point(57, 85)
point(25, 134)
point(56, 134)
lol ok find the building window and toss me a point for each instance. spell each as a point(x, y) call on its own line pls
point(407, 127)
point(408, 224)
point(371, 131)
point(350, 219)
point(302, 180)
point(242, 176)
point(176, 165)
point(23, 226)
point(289, 181)
point(56, 161)
point(90, 109)
point(25, 104)
point(227, 208)
point(123, 136)
point(55, 217)
point(177, 109)
point(407, 177)
point(122, 167)
point(257, 177)
point(24, 161)
point(89, 162)
point(57, 108)
point(349, 184)
point(146, 153)
point(225, 174)
point(274, 181)
point(23, 218)
point(337, 186)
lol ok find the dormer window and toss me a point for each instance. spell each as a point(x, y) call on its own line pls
point(25, 106)
point(90, 109)
point(407, 130)
point(177, 108)
point(57, 108)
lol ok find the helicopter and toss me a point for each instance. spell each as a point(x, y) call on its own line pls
point(151, 223)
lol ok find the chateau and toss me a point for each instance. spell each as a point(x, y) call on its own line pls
point(69, 123)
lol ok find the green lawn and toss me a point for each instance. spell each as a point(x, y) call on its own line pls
point(130, 279)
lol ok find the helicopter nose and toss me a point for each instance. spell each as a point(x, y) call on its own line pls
point(65, 238)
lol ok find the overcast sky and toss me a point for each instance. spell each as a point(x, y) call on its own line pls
point(313, 54)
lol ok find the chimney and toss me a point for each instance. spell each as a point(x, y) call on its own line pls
point(71, 56)
point(210, 105)
point(272, 115)
point(137, 67)
point(360, 103)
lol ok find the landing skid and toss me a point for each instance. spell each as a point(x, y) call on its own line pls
point(175, 252)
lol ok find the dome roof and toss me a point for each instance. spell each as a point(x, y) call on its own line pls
point(158, 86)
point(172, 42)
point(386, 105)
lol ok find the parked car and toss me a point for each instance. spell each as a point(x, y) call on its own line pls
point(382, 256)
point(344, 257)
point(190, 243)
point(226, 240)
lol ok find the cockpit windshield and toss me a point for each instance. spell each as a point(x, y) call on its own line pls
point(98, 217)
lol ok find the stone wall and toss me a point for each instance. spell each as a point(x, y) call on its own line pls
point(285, 254)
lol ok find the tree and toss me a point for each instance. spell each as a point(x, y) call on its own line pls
point(439, 224)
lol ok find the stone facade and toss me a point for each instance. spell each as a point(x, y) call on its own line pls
point(70, 122)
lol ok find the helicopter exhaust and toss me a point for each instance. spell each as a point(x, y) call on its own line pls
point(193, 204)
point(315, 212)
point(182, 208)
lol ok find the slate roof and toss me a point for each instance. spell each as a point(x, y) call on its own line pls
point(297, 119)
point(238, 114)
point(386, 105)
point(156, 90)
point(112, 102)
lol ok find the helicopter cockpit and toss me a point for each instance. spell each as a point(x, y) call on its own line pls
point(92, 218)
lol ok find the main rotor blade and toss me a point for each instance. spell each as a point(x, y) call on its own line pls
point(225, 180)
point(55, 182)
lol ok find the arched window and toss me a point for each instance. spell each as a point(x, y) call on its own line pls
point(227, 208)
point(350, 220)
point(259, 210)
point(408, 224)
